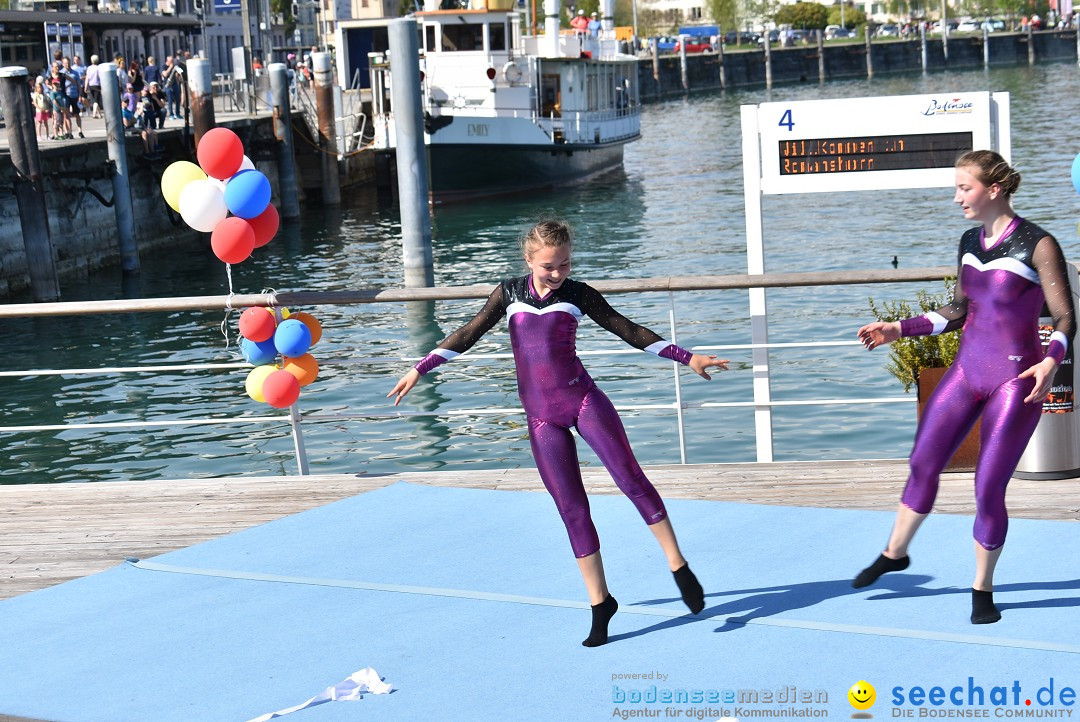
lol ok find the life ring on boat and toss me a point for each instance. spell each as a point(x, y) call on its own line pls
point(511, 72)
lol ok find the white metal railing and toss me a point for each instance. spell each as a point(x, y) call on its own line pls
point(669, 285)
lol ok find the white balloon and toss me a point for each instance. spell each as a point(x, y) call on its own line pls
point(245, 164)
point(202, 205)
point(219, 183)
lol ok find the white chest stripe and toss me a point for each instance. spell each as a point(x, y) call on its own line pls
point(1005, 264)
point(518, 307)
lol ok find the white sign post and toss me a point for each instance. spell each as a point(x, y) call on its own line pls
point(851, 144)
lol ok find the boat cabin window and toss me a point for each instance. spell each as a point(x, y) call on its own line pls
point(497, 36)
point(429, 38)
point(462, 37)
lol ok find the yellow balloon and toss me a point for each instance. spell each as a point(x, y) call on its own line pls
point(175, 177)
point(254, 383)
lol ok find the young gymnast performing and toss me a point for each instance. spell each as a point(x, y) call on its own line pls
point(1007, 268)
point(543, 309)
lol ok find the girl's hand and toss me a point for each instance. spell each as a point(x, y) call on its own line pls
point(404, 385)
point(1044, 378)
point(879, 333)
point(699, 363)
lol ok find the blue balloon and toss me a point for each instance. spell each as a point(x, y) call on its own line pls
point(258, 353)
point(1076, 173)
point(292, 338)
point(247, 194)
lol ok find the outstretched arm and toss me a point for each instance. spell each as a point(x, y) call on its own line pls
point(599, 310)
point(945, 319)
point(453, 345)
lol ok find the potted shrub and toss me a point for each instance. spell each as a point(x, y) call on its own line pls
point(921, 361)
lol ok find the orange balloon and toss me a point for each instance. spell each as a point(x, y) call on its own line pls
point(305, 368)
point(312, 323)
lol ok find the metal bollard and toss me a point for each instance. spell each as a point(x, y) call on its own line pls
point(201, 85)
point(29, 184)
point(113, 102)
point(279, 88)
point(324, 104)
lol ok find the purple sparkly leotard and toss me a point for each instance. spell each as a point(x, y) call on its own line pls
point(999, 295)
point(558, 393)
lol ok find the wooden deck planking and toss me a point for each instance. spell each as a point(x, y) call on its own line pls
point(53, 533)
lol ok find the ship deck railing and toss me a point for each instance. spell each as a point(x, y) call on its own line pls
point(670, 285)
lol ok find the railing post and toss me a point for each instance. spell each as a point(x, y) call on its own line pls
point(678, 383)
point(298, 441)
point(755, 262)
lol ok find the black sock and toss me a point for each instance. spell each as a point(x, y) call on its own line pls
point(983, 610)
point(601, 615)
point(692, 593)
point(881, 565)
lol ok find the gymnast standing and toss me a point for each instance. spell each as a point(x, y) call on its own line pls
point(543, 309)
point(1007, 268)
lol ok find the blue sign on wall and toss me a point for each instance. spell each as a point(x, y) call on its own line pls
point(226, 6)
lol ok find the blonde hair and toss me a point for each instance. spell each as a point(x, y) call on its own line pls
point(548, 233)
point(991, 168)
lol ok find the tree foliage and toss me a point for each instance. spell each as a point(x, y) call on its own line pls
point(853, 16)
point(725, 13)
point(763, 10)
point(810, 16)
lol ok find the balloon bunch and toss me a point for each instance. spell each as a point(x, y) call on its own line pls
point(224, 182)
point(268, 332)
point(226, 197)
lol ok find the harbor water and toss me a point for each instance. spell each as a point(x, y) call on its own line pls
point(676, 208)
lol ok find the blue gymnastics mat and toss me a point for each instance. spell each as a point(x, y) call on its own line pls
point(470, 604)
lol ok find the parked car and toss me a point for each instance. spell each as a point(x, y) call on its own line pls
point(666, 44)
point(698, 44)
point(774, 36)
point(740, 38)
point(994, 25)
point(888, 31)
point(967, 26)
point(952, 25)
point(841, 32)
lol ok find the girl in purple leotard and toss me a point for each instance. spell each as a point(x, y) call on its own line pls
point(543, 309)
point(1007, 268)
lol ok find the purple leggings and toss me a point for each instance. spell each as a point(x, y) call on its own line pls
point(1007, 425)
point(556, 457)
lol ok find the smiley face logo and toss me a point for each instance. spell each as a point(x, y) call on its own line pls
point(862, 695)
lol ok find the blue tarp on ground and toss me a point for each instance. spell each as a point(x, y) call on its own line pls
point(469, 602)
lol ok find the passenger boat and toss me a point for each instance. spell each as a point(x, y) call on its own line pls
point(506, 112)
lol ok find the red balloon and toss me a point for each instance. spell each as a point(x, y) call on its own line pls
point(233, 240)
point(220, 153)
point(281, 389)
point(258, 323)
point(265, 225)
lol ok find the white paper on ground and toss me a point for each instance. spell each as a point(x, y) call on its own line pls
point(352, 688)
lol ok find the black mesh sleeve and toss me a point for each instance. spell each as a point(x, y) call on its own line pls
point(466, 337)
point(599, 310)
point(1049, 261)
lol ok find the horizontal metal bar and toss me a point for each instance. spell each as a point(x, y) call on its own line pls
point(283, 419)
point(389, 359)
point(123, 369)
point(448, 293)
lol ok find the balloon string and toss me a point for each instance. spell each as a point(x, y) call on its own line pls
point(228, 306)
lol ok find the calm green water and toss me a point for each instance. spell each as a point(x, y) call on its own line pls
point(675, 208)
